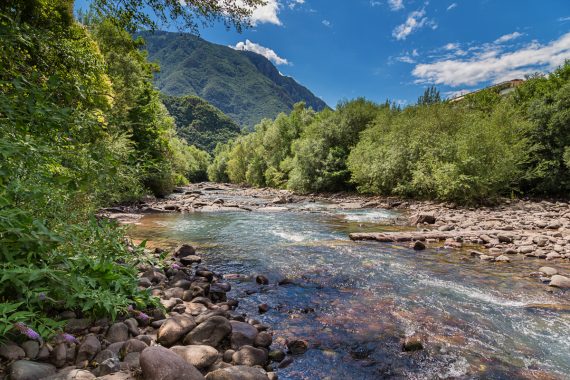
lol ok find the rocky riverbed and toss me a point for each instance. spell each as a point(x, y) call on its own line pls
point(512, 230)
point(196, 334)
point(202, 333)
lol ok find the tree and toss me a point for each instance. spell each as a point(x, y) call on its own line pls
point(430, 96)
point(190, 14)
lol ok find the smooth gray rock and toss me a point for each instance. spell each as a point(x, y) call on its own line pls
point(72, 373)
point(159, 363)
point(559, 281)
point(88, 348)
point(250, 356)
point(238, 372)
point(27, 370)
point(210, 332)
point(243, 334)
point(118, 332)
point(174, 328)
point(31, 348)
point(11, 351)
point(200, 356)
point(549, 271)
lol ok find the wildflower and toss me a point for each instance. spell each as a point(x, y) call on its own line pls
point(25, 330)
point(42, 296)
point(68, 338)
point(176, 266)
point(142, 316)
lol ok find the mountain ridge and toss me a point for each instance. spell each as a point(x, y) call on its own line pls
point(244, 85)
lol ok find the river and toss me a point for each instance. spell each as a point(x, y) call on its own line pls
point(355, 301)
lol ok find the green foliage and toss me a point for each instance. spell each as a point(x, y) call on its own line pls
point(430, 96)
point(244, 85)
point(473, 151)
point(200, 123)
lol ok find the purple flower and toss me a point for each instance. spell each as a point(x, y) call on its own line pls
point(68, 338)
point(176, 266)
point(142, 316)
point(42, 296)
point(25, 330)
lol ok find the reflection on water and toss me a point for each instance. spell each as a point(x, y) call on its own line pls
point(355, 301)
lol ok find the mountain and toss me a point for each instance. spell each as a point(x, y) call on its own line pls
point(200, 123)
point(244, 85)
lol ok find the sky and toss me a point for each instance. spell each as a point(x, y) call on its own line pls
point(394, 49)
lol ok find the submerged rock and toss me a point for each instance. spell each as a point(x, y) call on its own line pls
point(559, 281)
point(412, 343)
point(298, 347)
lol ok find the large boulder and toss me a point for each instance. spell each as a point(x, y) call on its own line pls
point(242, 334)
point(210, 332)
point(250, 356)
point(173, 329)
point(238, 372)
point(200, 356)
point(159, 363)
point(185, 250)
point(27, 370)
point(559, 281)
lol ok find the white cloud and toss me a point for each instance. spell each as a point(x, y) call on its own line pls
point(266, 14)
point(416, 20)
point(396, 5)
point(563, 19)
point(451, 6)
point(492, 64)
point(327, 23)
point(375, 3)
point(266, 52)
point(408, 57)
point(508, 37)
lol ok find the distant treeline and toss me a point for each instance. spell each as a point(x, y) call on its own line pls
point(470, 151)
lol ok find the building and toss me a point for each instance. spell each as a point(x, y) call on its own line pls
point(502, 89)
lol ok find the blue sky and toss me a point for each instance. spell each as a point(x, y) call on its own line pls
point(393, 49)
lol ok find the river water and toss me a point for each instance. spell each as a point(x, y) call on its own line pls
point(355, 301)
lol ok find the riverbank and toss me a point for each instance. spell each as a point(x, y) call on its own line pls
point(512, 230)
point(194, 334)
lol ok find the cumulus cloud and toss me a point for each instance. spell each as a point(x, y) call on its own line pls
point(375, 3)
point(266, 14)
point(327, 23)
point(494, 65)
point(564, 19)
point(416, 20)
point(262, 50)
point(396, 5)
point(508, 37)
point(451, 6)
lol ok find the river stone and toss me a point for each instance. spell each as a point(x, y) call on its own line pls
point(74, 326)
point(199, 356)
point(263, 339)
point(59, 355)
point(132, 361)
point(185, 250)
point(422, 218)
point(262, 280)
point(250, 356)
point(549, 271)
point(72, 373)
point(553, 255)
point(238, 372)
point(88, 349)
point(277, 355)
point(11, 351)
point(132, 345)
point(108, 366)
point(159, 363)
point(242, 334)
point(145, 282)
point(104, 355)
point(174, 328)
point(419, 245)
point(298, 347)
point(133, 326)
point(560, 281)
point(503, 259)
point(174, 293)
point(31, 348)
point(210, 332)
point(118, 332)
point(487, 258)
point(525, 249)
point(412, 343)
point(28, 370)
point(190, 259)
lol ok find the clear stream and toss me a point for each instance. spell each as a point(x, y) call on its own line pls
point(355, 301)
